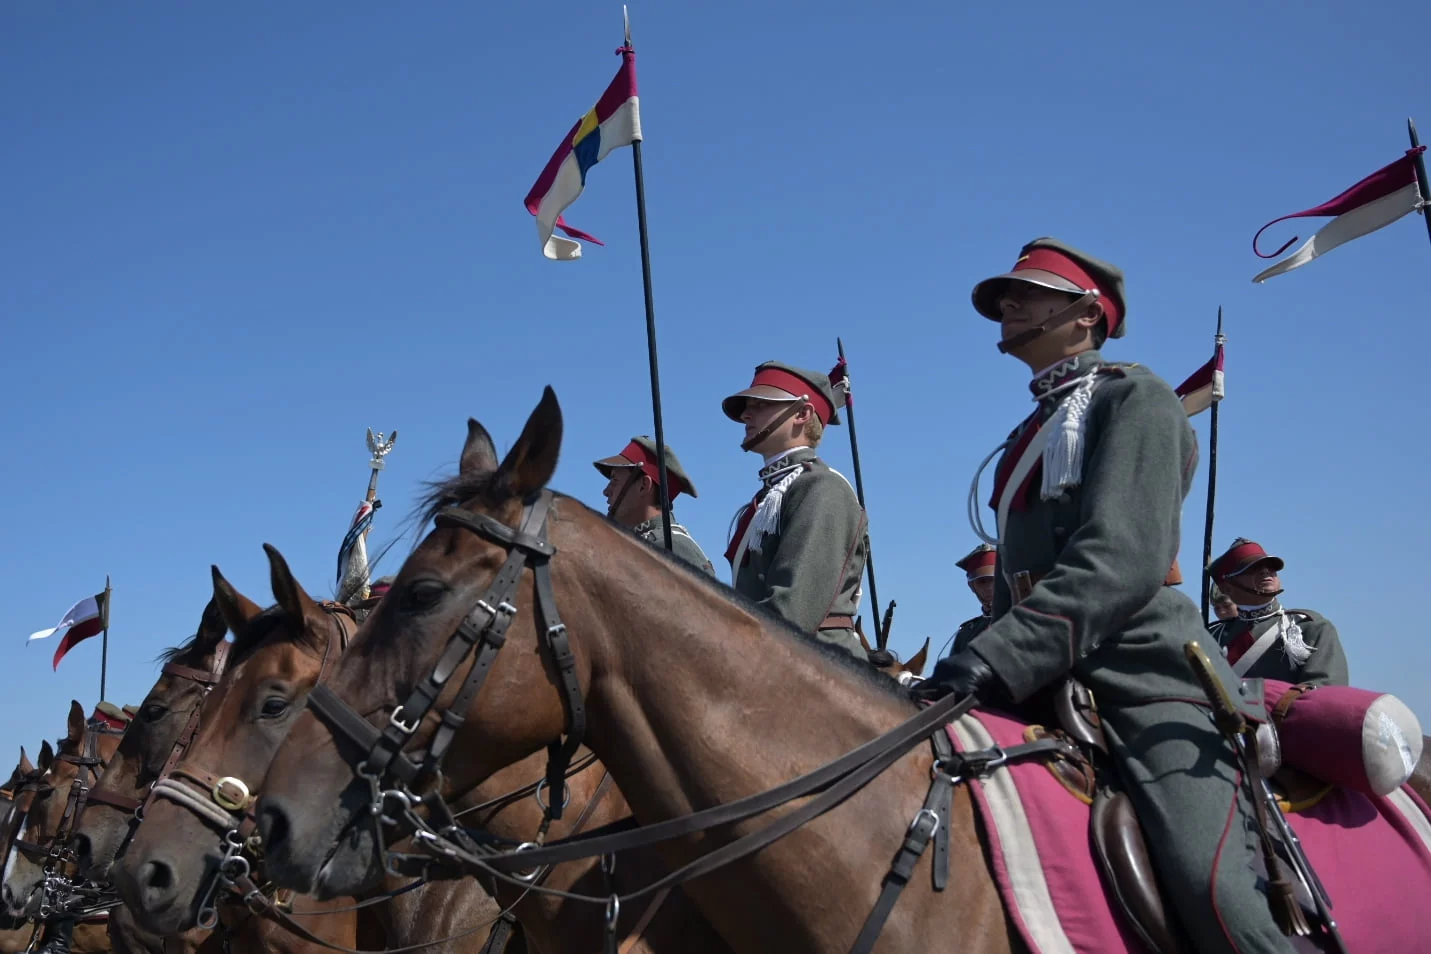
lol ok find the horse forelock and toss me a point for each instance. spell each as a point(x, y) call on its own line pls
point(258, 631)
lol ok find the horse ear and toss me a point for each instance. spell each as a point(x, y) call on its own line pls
point(296, 603)
point(916, 662)
point(76, 722)
point(479, 455)
point(533, 459)
point(212, 626)
point(47, 756)
point(25, 767)
point(235, 608)
point(860, 632)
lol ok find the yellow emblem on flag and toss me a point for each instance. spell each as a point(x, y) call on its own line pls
point(588, 123)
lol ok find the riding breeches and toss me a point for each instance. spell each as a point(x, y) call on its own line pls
point(1199, 822)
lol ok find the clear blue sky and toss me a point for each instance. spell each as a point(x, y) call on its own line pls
point(235, 235)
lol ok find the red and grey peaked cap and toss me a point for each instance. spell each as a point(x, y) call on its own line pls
point(979, 563)
point(782, 382)
point(641, 454)
point(1049, 263)
point(1242, 556)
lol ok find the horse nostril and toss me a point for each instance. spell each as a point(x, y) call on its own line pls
point(272, 825)
point(156, 877)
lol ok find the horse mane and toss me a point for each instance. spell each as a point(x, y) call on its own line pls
point(456, 490)
point(261, 628)
point(462, 488)
point(772, 621)
point(174, 652)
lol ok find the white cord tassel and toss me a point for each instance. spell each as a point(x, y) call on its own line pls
point(1293, 644)
point(767, 517)
point(1063, 457)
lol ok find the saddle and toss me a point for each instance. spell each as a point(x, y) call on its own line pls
point(1119, 847)
point(1118, 843)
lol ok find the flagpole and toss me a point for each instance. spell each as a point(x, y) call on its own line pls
point(662, 482)
point(1218, 342)
point(1421, 181)
point(881, 631)
point(104, 646)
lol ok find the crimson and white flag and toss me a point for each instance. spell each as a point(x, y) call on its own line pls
point(1374, 202)
point(1204, 387)
point(89, 617)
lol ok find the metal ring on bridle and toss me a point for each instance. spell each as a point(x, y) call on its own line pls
point(527, 876)
point(565, 797)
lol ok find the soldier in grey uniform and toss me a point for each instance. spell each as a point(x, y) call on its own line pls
point(798, 548)
point(978, 568)
point(1265, 641)
point(1088, 496)
point(1222, 605)
point(633, 497)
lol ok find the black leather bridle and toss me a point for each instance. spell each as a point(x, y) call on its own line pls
point(482, 633)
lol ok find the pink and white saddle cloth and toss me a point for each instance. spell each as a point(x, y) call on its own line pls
point(1372, 853)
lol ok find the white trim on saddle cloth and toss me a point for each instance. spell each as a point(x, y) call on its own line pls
point(1415, 817)
point(1036, 911)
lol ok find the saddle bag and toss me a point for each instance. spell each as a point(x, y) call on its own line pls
point(1366, 741)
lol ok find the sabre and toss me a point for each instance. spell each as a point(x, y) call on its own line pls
point(1233, 724)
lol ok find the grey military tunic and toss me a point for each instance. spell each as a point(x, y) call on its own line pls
point(809, 567)
point(1326, 666)
point(683, 544)
point(968, 630)
point(1098, 556)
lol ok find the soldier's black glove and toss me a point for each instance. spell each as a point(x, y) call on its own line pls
point(964, 674)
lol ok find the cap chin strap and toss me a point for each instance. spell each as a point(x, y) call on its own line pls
point(1058, 319)
point(774, 425)
point(616, 504)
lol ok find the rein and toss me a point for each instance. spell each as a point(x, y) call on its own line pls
point(483, 632)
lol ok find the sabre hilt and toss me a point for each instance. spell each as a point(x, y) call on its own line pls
point(1224, 710)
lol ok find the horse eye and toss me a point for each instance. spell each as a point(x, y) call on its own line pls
point(274, 706)
point(153, 712)
point(423, 595)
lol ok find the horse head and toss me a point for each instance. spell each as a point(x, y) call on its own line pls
point(167, 873)
point(157, 736)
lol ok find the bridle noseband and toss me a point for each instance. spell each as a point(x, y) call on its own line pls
point(481, 634)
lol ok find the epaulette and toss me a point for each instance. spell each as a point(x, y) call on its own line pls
point(1120, 369)
point(1307, 615)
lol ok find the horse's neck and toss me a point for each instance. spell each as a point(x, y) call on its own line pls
point(703, 701)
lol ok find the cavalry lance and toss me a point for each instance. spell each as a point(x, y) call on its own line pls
point(840, 378)
point(353, 554)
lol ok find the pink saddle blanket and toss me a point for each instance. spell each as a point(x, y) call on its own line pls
point(1372, 854)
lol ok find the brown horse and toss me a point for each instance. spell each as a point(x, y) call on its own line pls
point(692, 698)
point(15, 797)
point(278, 654)
point(50, 815)
point(165, 731)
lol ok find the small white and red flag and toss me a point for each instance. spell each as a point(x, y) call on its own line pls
point(1373, 203)
point(89, 617)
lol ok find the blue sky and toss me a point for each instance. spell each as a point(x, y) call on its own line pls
point(237, 235)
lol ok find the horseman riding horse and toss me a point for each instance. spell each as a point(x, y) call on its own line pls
point(702, 707)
